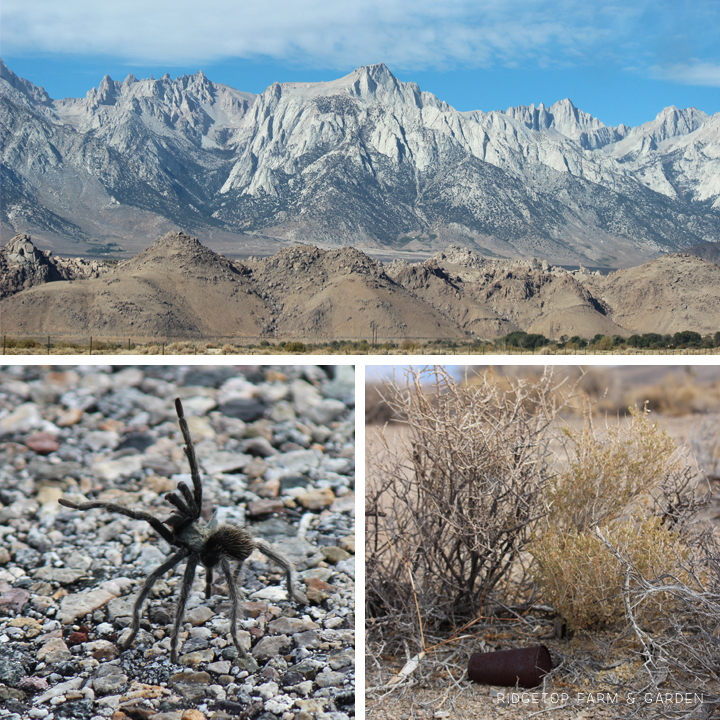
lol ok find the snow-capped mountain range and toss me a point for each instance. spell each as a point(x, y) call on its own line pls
point(364, 160)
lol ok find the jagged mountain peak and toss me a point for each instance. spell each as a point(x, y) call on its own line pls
point(374, 75)
point(671, 122)
point(568, 120)
point(24, 88)
point(368, 85)
point(164, 89)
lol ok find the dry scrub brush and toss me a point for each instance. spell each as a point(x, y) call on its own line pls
point(451, 507)
point(483, 494)
point(683, 644)
point(634, 485)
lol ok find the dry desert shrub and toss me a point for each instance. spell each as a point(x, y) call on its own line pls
point(682, 647)
point(584, 582)
point(633, 484)
point(451, 509)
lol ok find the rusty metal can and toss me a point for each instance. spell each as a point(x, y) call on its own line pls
point(525, 667)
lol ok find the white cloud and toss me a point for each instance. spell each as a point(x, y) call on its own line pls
point(333, 33)
point(695, 73)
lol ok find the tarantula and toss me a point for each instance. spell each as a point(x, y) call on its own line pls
point(210, 544)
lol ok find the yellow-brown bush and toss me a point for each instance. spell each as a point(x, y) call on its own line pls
point(584, 581)
point(606, 476)
point(621, 483)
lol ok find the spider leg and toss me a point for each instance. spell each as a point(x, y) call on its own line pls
point(180, 610)
point(276, 556)
point(234, 606)
point(238, 570)
point(190, 453)
point(151, 580)
point(177, 501)
point(156, 524)
point(208, 582)
point(189, 499)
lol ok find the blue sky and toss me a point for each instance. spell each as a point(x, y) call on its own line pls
point(622, 62)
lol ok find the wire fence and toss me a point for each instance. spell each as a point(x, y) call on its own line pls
point(16, 344)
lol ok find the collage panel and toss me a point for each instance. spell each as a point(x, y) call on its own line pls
point(177, 541)
point(542, 540)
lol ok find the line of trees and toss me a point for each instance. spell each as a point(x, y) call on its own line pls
point(652, 341)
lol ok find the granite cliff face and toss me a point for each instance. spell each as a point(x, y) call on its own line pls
point(364, 160)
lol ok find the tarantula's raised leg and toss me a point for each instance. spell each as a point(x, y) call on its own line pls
point(208, 582)
point(293, 591)
point(182, 600)
point(190, 454)
point(147, 587)
point(156, 524)
point(234, 605)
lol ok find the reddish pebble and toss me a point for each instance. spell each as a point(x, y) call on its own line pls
point(43, 443)
point(76, 638)
point(318, 590)
point(33, 684)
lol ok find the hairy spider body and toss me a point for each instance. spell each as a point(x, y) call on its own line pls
point(208, 544)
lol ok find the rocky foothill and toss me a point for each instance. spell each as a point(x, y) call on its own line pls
point(276, 451)
point(178, 289)
point(22, 266)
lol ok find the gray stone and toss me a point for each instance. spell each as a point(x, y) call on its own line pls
point(347, 567)
point(102, 650)
point(109, 679)
point(11, 671)
point(330, 679)
point(326, 411)
point(196, 658)
point(99, 439)
point(199, 615)
point(296, 461)
point(25, 417)
point(198, 405)
point(126, 378)
point(44, 470)
point(225, 462)
point(305, 396)
point(290, 626)
point(121, 607)
point(111, 530)
point(344, 658)
point(62, 576)
point(258, 446)
point(112, 470)
point(53, 651)
point(194, 644)
point(78, 605)
point(60, 689)
point(14, 599)
point(307, 639)
point(221, 667)
point(270, 646)
point(150, 558)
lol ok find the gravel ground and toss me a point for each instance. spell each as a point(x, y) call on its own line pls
point(276, 450)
